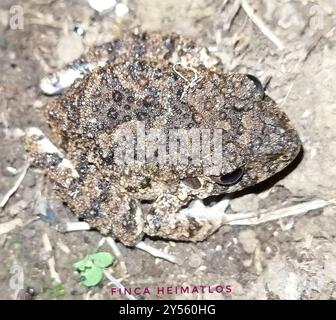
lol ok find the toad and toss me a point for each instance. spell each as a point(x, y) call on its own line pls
point(147, 123)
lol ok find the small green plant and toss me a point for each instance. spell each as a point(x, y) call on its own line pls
point(91, 268)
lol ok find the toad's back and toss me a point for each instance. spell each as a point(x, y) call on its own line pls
point(158, 95)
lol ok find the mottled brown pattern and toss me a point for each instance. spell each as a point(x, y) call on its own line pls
point(141, 83)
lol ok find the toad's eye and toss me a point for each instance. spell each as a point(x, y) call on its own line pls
point(258, 84)
point(230, 178)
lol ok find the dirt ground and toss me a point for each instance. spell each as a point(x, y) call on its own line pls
point(289, 44)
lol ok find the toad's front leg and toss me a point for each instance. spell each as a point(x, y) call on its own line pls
point(193, 223)
point(77, 69)
point(64, 78)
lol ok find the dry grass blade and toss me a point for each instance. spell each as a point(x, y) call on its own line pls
point(117, 283)
point(157, 253)
point(10, 225)
point(73, 226)
point(254, 218)
point(16, 186)
point(261, 25)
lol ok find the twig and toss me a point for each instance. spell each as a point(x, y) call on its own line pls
point(287, 95)
point(63, 247)
point(53, 273)
point(51, 261)
point(16, 186)
point(231, 14)
point(10, 225)
point(73, 226)
point(83, 226)
point(115, 282)
point(117, 253)
point(101, 242)
point(157, 253)
point(261, 25)
point(114, 247)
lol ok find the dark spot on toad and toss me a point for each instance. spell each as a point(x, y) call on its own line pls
point(127, 118)
point(149, 101)
point(141, 115)
point(112, 114)
point(117, 96)
point(130, 99)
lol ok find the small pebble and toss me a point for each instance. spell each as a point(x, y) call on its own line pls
point(102, 5)
point(195, 260)
point(12, 170)
point(248, 240)
point(121, 10)
point(202, 268)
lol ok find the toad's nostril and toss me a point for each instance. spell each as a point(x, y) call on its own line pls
point(257, 84)
point(286, 157)
point(193, 183)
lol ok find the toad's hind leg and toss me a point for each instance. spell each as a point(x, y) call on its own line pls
point(194, 223)
point(90, 196)
point(47, 156)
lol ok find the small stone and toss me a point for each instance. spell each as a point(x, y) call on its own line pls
point(38, 104)
point(247, 263)
point(195, 260)
point(248, 240)
point(102, 5)
point(121, 10)
point(172, 244)
point(13, 171)
point(202, 268)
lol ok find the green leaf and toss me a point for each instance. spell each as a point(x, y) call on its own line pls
point(102, 259)
point(81, 264)
point(92, 276)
